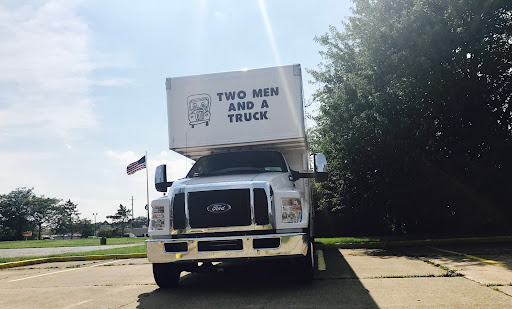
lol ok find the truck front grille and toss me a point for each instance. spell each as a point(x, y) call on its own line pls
point(220, 245)
point(260, 207)
point(208, 208)
point(178, 212)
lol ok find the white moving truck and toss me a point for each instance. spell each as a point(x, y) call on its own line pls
point(247, 195)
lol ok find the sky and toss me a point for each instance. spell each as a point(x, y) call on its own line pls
point(82, 84)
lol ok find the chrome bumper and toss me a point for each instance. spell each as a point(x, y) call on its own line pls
point(203, 249)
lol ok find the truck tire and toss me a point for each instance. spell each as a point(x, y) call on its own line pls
point(306, 266)
point(166, 275)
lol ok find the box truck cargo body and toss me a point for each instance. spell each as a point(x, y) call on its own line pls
point(246, 108)
point(248, 194)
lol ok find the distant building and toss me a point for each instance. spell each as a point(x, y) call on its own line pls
point(139, 231)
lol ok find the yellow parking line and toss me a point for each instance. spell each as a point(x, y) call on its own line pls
point(471, 257)
point(66, 270)
point(321, 260)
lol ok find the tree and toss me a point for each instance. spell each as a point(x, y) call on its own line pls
point(121, 217)
point(139, 222)
point(74, 216)
point(85, 228)
point(64, 218)
point(107, 231)
point(21, 210)
point(415, 116)
point(41, 210)
point(14, 213)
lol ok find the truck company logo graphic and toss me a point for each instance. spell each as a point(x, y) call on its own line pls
point(242, 106)
point(218, 208)
point(246, 106)
point(199, 109)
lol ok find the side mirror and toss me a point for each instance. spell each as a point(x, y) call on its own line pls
point(321, 170)
point(294, 175)
point(161, 183)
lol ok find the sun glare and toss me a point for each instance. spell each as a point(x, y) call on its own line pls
point(270, 33)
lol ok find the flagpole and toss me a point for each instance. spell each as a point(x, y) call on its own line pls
point(147, 184)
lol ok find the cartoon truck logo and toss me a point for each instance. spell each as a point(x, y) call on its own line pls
point(199, 109)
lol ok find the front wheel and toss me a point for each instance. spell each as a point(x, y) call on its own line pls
point(166, 275)
point(307, 266)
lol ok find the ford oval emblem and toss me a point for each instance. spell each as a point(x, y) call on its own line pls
point(218, 208)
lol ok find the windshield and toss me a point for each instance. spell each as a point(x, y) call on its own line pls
point(238, 163)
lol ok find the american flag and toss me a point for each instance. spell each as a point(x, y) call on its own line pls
point(136, 166)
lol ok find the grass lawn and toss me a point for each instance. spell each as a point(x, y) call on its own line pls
point(412, 238)
point(345, 240)
point(79, 242)
point(124, 250)
point(360, 240)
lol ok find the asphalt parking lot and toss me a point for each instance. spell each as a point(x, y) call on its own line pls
point(477, 276)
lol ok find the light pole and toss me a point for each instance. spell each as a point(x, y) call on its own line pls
point(94, 214)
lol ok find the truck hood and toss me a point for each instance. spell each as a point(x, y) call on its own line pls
point(275, 179)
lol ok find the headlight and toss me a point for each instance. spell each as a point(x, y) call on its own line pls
point(157, 218)
point(292, 211)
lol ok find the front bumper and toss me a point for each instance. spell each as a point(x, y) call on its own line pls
point(221, 248)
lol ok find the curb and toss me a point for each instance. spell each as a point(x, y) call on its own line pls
point(72, 258)
point(425, 242)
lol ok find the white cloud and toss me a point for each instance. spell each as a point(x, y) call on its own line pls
point(25, 169)
point(123, 157)
point(45, 60)
point(219, 16)
point(114, 82)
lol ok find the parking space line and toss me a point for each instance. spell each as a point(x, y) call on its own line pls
point(65, 270)
point(321, 260)
point(471, 257)
point(79, 304)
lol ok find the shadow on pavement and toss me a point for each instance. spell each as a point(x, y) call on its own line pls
point(266, 284)
point(501, 253)
point(497, 252)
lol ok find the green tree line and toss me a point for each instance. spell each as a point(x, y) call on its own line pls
point(415, 118)
point(22, 210)
point(120, 221)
